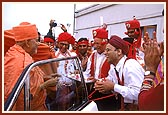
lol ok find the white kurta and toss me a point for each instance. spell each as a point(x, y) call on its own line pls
point(133, 77)
point(64, 67)
point(100, 58)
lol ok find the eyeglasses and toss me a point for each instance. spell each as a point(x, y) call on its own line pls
point(63, 44)
point(108, 50)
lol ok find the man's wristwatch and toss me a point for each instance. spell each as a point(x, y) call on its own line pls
point(149, 73)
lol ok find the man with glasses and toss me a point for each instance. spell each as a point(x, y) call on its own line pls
point(62, 93)
point(127, 78)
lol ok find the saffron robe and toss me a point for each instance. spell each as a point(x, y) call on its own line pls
point(16, 59)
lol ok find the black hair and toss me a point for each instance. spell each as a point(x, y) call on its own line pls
point(39, 36)
point(129, 39)
point(81, 39)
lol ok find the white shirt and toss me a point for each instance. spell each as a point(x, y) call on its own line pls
point(100, 58)
point(133, 77)
point(62, 69)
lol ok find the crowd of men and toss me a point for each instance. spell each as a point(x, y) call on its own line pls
point(113, 64)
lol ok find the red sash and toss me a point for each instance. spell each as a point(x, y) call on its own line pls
point(130, 106)
point(105, 67)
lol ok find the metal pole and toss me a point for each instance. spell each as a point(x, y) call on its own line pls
point(74, 19)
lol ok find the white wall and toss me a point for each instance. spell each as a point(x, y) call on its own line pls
point(116, 16)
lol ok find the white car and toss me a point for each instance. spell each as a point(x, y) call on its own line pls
point(71, 76)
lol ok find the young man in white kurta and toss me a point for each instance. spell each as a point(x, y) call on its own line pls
point(130, 74)
point(133, 76)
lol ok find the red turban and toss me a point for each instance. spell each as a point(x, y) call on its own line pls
point(25, 31)
point(119, 43)
point(65, 36)
point(83, 42)
point(132, 24)
point(100, 33)
point(47, 39)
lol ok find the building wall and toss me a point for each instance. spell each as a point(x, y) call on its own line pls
point(115, 16)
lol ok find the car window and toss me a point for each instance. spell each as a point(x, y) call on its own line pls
point(69, 92)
